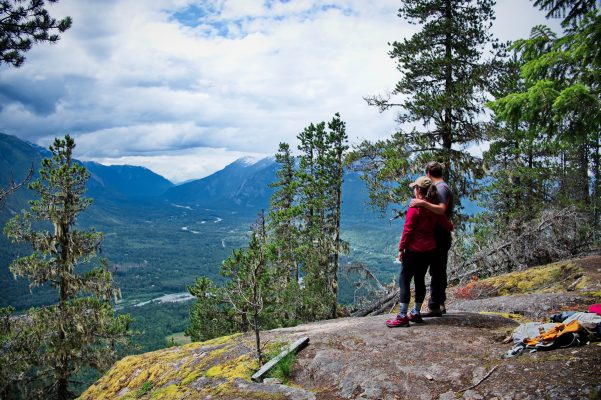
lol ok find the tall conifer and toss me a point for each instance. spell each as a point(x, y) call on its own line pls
point(283, 229)
point(81, 330)
point(441, 96)
point(560, 104)
point(320, 177)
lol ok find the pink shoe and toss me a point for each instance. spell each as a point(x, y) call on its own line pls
point(398, 322)
point(414, 318)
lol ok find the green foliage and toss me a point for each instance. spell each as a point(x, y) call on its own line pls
point(210, 316)
point(81, 330)
point(24, 22)
point(248, 289)
point(443, 87)
point(545, 150)
point(319, 177)
point(145, 388)
point(284, 234)
point(283, 369)
point(571, 10)
point(301, 240)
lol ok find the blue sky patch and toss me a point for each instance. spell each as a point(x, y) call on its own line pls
point(196, 15)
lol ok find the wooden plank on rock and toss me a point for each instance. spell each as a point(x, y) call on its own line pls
point(294, 347)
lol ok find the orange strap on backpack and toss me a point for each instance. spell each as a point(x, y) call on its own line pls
point(553, 333)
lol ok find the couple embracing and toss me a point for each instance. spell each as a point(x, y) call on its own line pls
point(424, 245)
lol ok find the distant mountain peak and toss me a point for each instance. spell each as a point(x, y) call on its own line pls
point(253, 160)
point(248, 160)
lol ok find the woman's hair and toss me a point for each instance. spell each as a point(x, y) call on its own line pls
point(429, 193)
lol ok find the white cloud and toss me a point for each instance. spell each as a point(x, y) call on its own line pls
point(182, 165)
point(133, 84)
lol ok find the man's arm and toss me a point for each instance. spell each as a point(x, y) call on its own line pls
point(439, 209)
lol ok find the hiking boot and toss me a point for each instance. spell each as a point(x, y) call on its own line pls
point(417, 318)
point(443, 309)
point(436, 312)
point(398, 322)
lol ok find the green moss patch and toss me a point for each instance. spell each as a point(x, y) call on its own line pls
point(171, 373)
point(515, 317)
point(551, 278)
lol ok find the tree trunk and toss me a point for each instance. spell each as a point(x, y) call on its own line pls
point(336, 241)
point(258, 338)
point(447, 134)
point(63, 389)
point(583, 165)
point(597, 177)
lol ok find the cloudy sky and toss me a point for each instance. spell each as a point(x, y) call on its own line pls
point(185, 87)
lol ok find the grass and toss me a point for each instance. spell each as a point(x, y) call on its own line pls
point(178, 339)
point(283, 369)
point(146, 387)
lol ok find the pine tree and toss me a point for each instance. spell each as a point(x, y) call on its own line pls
point(283, 232)
point(336, 146)
point(560, 104)
point(315, 297)
point(320, 176)
point(248, 290)
point(442, 92)
point(570, 10)
point(24, 22)
point(81, 330)
point(516, 162)
point(211, 315)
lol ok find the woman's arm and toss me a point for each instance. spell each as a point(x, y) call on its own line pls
point(408, 229)
point(439, 209)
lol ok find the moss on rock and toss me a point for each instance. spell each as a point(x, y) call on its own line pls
point(171, 373)
point(551, 278)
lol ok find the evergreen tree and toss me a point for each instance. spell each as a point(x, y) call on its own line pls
point(319, 178)
point(314, 263)
point(442, 92)
point(248, 290)
point(211, 315)
point(24, 22)
point(516, 162)
point(336, 146)
point(570, 10)
point(283, 231)
point(81, 330)
point(560, 104)
point(299, 243)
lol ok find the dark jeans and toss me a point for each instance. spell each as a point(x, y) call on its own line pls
point(438, 273)
point(415, 265)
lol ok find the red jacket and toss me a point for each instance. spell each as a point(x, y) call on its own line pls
point(418, 233)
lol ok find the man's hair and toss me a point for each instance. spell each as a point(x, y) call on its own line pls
point(434, 168)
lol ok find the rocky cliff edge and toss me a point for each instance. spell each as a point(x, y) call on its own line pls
point(454, 356)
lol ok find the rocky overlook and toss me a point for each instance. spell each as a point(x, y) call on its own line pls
point(454, 356)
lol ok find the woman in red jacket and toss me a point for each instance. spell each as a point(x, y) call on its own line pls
point(416, 250)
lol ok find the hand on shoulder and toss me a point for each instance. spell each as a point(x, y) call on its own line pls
point(417, 203)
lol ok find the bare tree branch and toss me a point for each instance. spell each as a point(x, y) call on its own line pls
point(14, 186)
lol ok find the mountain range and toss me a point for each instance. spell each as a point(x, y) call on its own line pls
point(160, 236)
point(242, 185)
